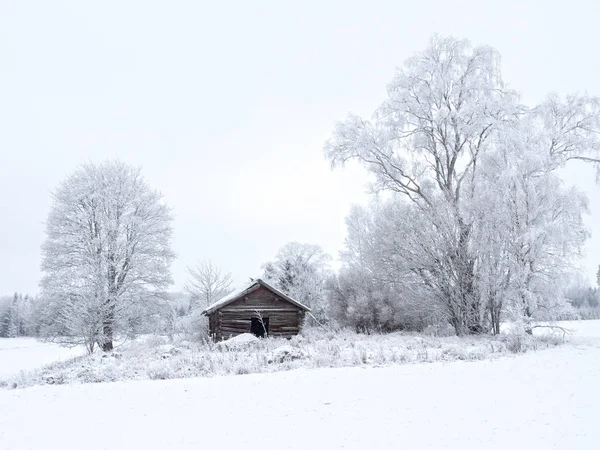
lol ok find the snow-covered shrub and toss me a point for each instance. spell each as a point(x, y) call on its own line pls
point(285, 353)
point(359, 300)
point(514, 342)
point(157, 371)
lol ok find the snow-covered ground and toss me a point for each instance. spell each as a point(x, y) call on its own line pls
point(544, 399)
point(23, 354)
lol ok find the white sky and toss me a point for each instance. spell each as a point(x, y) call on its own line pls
point(226, 106)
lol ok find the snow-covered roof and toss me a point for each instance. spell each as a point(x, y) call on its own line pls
point(235, 295)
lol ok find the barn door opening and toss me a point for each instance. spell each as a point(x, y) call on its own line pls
point(260, 327)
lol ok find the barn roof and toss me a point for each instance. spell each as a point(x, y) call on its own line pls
point(255, 284)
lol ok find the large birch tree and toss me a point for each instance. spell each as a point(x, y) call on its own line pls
point(107, 254)
point(431, 145)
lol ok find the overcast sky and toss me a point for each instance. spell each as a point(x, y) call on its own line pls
point(226, 106)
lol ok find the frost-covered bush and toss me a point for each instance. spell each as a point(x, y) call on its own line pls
point(193, 325)
point(514, 342)
point(360, 301)
point(285, 353)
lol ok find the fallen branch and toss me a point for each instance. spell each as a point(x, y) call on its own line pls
point(564, 331)
point(318, 323)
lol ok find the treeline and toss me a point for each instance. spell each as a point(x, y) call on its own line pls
point(583, 297)
point(29, 316)
point(19, 316)
point(585, 300)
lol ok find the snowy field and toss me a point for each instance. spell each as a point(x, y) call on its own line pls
point(23, 354)
point(544, 399)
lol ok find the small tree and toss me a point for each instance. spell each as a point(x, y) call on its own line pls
point(300, 270)
point(107, 254)
point(207, 284)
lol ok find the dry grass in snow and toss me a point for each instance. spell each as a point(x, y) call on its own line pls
point(156, 357)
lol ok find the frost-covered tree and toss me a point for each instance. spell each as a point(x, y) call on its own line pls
point(300, 270)
point(450, 141)
point(529, 235)
point(107, 254)
point(424, 142)
point(207, 284)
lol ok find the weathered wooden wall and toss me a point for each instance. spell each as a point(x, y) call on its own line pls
point(285, 318)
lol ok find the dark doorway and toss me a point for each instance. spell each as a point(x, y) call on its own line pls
point(260, 327)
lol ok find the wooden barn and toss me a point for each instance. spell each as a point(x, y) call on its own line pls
point(257, 308)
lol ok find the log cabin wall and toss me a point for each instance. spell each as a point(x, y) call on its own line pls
point(285, 318)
